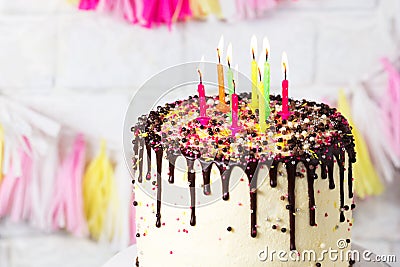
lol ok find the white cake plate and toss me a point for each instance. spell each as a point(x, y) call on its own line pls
point(127, 258)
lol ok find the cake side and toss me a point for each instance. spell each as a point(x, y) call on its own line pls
point(221, 234)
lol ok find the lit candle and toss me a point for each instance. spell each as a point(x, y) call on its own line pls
point(267, 77)
point(229, 74)
point(261, 109)
point(254, 74)
point(235, 127)
point(221, 85)
point(285, 113)
point(203, 119)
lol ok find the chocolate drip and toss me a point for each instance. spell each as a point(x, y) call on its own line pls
point(192, 183)
point(135, 152)
point(311, 197)
point(340, 160)
point(291, 176)
point(148, 151)
point(323, 170)
point(251, 171)
point(159, 154)
point(350, 179)
point(141, 149)
point(273, 174)
point(171, 175)
point(225, 177)
point(206, 170)
point(330, 173)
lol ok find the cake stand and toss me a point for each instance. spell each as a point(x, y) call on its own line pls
point(127, 258)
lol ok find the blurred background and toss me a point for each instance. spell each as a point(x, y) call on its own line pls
point(67, 75)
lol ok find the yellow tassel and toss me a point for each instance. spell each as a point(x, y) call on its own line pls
point(73, 2)
point(199, 9)
point(366, 180)
point(202, 8)
point(97, 191)
point(1, 152)
point(215, 8)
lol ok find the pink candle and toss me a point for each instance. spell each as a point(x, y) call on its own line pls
point(235, 127)
point(285, 97)
point(285, 113)
point(203, 119)
point(235, 107)
point(202, 99)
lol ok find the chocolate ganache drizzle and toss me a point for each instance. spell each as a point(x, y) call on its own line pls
point(315, 135)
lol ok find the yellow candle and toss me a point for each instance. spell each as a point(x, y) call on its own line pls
point(220, 71)
point(261, 102)
point(266, 78)
point(254, 74)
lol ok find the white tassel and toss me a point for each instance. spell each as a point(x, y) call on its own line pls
point(367, 117)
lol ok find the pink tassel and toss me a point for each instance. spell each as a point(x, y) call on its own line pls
point(165, 11)
point(390, 104)
point(129, 10)
point(253, 8)
point(88, 4)
point(68, 205)
point(122, 8)
point(182, 10)
point(14, 196)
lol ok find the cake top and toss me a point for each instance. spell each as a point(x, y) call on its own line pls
point(306, 134)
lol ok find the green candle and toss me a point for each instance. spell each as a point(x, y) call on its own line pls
point(267, 77)
point(229, 76)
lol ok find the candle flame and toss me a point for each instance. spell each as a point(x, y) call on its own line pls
point(229, 54)
point(253, 46)
point(200, 67)
point(220, 48)
point(266, 47)
point(285, 66)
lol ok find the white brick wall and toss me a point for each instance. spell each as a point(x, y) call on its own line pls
point(49, 44)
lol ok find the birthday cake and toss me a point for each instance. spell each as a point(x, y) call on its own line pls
point(294, 193)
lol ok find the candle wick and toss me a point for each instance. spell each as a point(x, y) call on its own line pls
point(201, 76)
point(252, 52)
point(229, 64)
point(234, 86)
point(219, 56)
point(266, 56)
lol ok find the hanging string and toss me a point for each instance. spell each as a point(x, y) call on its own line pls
point(366, 180)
